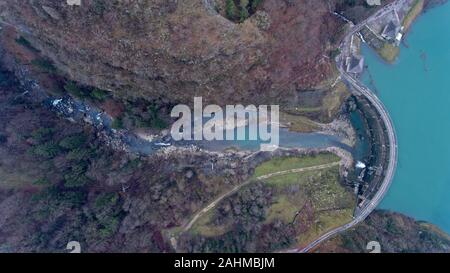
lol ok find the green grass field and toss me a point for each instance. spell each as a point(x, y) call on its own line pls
point(288, 163)
point(299, 123)
point(389, 52)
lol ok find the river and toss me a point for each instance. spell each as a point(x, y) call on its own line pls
point(78, 110)
point(416, 91)
point(81, 111)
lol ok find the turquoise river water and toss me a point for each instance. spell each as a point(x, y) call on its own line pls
point(416, 91)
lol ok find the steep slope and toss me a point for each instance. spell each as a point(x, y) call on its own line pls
point(178, 49)
point(395, 233)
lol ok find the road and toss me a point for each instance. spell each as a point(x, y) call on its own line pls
point(260, 178)
point(360, 89)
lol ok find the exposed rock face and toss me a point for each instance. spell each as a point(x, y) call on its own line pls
point(176, 50)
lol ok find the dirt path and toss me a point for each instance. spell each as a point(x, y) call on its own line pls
point(260, 178)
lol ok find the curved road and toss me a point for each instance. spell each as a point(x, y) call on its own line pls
point(360, 89)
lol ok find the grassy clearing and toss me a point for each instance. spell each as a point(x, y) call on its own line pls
point(333, 204)
point(322, 187)
point(284, 208)
point(290, 193)
point(312, 199)
point(331, 104)
point(308, 110)
point(205, 227)
point(290, 179)
point(389, 52)
point(413, 13)
point(333, 101)
point(327, 192)
point(329, 81)
point(325, 222)
point(299, 123)
point(286, 204)
point(288, 163)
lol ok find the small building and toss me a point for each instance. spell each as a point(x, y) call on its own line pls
point(355, 64)
point(391, 30)
point(399, 37)
point(360, 165)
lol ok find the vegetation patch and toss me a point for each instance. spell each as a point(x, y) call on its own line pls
point(395, 232)
point(284, 208)
point(389, 52)
point(204, 227)
point(299, 123)
point(238, 10)
point(141, 114)
point(24, 42)
point(326, 221)
point(277, 213)
point(82, 92)
point(413, 13)
point(325, 101)
point(332, 102)
point(288, 163)
point(45, 65)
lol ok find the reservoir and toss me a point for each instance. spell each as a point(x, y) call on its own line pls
point(416, 92)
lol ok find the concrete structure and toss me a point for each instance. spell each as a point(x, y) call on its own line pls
point(398, 38)
point(360, 165)
point(391, 30)
point(355, 64)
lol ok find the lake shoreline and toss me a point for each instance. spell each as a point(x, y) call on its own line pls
point(420, 185)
